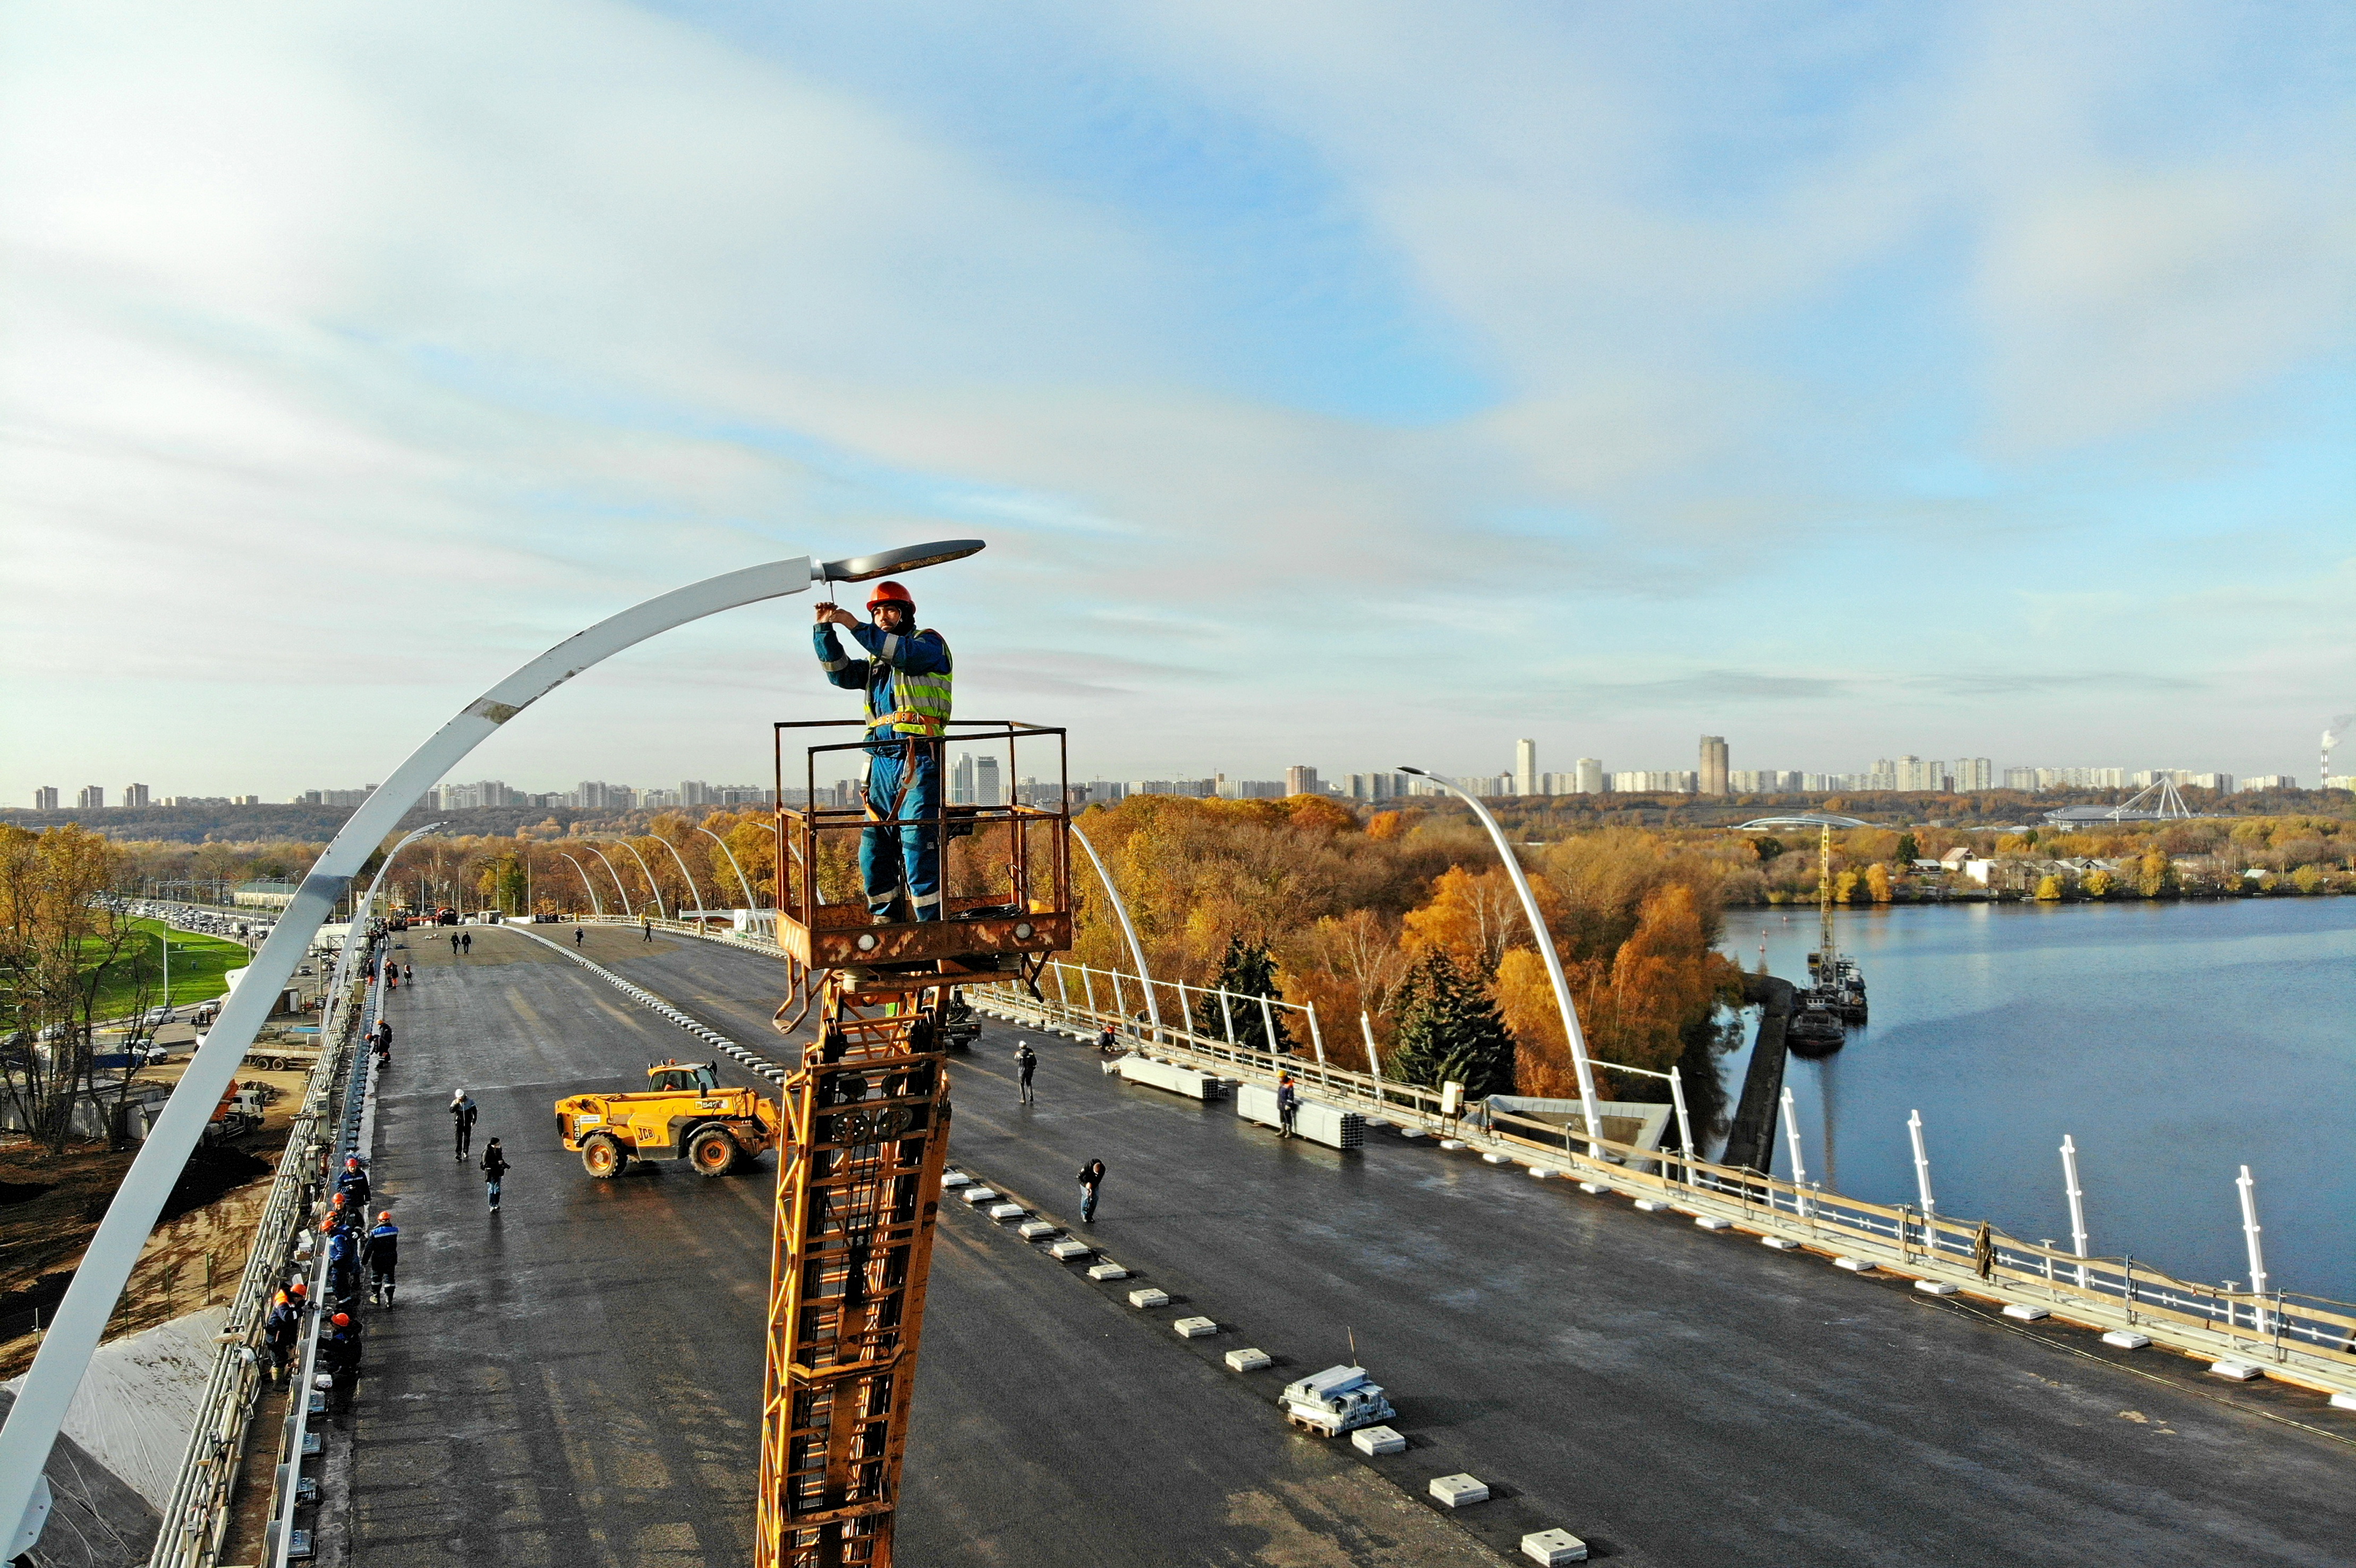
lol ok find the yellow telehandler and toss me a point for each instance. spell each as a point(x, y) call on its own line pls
point(683, 1113)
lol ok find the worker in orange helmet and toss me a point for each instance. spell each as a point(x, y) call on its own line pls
point(905, 677)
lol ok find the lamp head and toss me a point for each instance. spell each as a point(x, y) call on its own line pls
point(908, 558)
point(1417, 771)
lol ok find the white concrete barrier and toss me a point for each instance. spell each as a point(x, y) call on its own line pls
point(979, 1195)
point(2023, 1313)
point(2126, 1340)
point(1781, 1243)
point(1553, 1547)
point(1003, 1212)
point(1459, 1491)
point(2236, 1372)
point(1107, 1270)
point(1373, 1440)
point(1249, 1360)
point(1934, 1287)
point(1195, 1327)
point(1149, 1296)
point(1033, 1230)
point(1068, 1250)
point(1854, 1265)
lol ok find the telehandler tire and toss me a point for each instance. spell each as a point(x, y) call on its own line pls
point(713, 1152)
point(602, 1156)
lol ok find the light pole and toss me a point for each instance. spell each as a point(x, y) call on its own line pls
point(1136, 948)
point(618, 888)
point(596, 904)
point(646, 871)
point(750, 901)
point(696, 891)
point(1553, 960)
point(57, 1371)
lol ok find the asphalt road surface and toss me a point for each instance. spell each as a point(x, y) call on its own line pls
point(576, 1380)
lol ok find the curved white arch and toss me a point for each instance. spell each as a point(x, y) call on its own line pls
point(621, 891)
point(596, 904)
point(742, 880)
point(648, 872)
point(33, 1422)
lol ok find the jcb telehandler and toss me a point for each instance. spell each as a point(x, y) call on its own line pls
point(683, 1113)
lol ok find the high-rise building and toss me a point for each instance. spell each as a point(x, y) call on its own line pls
point(1590, 775)
point(987, 789)
point(1670, 781)
point(961, 780)
point(46, 798)
point(1302, 780)
point(1970, 774)
point(2268, 781)
point(135, 795)
point(92, 799)
point(1713, 764)
point(1912, 772)
point(1526, 768)
point(2021, 778)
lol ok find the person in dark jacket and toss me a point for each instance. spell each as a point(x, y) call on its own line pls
point(281, 1331)
point(1288, 1105)
point(1092, 1177)
point(339, 1350)
point(454, 944)
point(1026, 1062)
point(462, 1118)
point(495, 1170)
point(344, 1265)
point(381, 1252)
point(353, 1184)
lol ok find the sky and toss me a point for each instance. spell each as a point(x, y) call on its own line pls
point(1348, 385)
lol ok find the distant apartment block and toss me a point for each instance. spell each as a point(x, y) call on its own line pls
point(1762, 781)
point(1525, 769)
point(1300, 779)
point(135, 795)
point(1671, 781)
point(263, 895)
point(1591, 776)
point(46, 798)
point(1712, 773)
point(1970, 773)
point(334, 796)
point(92, 799)
point(2268, 781)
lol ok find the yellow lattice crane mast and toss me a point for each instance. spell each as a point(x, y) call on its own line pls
point(867, 1111)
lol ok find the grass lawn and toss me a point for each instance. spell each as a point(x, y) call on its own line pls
point(199, 964)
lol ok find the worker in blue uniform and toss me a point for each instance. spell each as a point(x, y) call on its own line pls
point(905, 677)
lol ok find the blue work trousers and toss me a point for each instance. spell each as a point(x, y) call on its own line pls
point(890, 857)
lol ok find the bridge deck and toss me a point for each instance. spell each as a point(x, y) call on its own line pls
point(575, 1381)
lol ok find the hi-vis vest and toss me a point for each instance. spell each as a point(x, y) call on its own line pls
point(919, 704)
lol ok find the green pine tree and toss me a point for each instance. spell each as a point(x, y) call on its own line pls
point(1450, 1031)
point(1247, 970)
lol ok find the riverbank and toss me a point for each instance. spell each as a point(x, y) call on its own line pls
point(2174, 1041)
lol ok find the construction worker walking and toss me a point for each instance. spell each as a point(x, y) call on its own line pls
point(462, 1116)
point(381, 1251)
point(1026, 1062)
point(907, 679)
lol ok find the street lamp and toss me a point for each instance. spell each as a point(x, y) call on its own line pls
point(1136, 948)
point(31, 1429)
point(750, 901)
point(646, 871)
point(696, 891)
point(618, 888)
point(1570, 1029)
point(597, 905)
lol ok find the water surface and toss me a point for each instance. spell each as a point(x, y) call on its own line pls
point(2177, 1042)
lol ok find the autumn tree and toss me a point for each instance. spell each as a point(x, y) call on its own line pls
point(60, 936)
point(1248, 970)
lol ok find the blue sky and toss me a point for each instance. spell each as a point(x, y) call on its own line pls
point(1340, 384)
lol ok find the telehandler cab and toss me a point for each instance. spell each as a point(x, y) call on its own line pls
point(684, 1113)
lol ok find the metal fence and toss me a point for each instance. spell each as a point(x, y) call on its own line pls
point(196, 1515)
point(2306, 1338)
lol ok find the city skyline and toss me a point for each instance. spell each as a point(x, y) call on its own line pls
point(1944, 372)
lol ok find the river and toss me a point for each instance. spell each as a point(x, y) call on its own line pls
point(2175, 1043)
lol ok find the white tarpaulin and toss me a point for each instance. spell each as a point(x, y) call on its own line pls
point(139, 1402)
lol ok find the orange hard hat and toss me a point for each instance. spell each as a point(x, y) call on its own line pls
point(299, 1288)
point(384, 1213)
point(891, 594)
point(343, 1320)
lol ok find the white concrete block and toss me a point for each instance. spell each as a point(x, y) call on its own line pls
point(1003, 1212)
point(1377, 1122)
point(2126, 1340)
point(953, 1180)
point(1540, 1172)
point(1149, 1296)
point(1459, 1491)
point(1712, 1223)
point(1596, 1188)
point(2343, 1402)
point(2236, 1372)
point(1031, 1230)
point(1553, 1547)
point(1496, 1159)
point(1248, 1361)
point(2021, 1313)
point(1068, 1249)
point(1195, 1327)
point(1373, 1440)
point(1452, 1143)
point(1107, 1270)
point(1781, 1243)
point(1934, 1287)
point(1854, 1265)
point(979, 1195)
point(1651, 1205)
point(1413, 1132)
